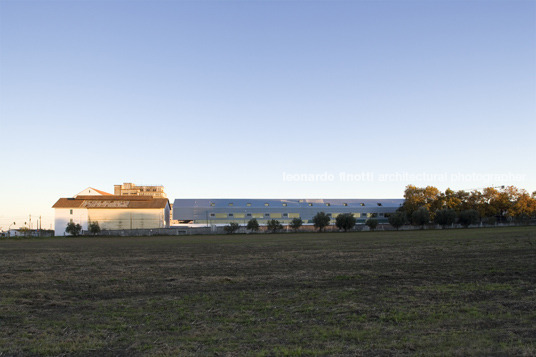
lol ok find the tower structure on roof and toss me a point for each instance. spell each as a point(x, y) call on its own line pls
point(130, 189)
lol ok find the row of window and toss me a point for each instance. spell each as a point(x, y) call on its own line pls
point(231, 204)
point(286, 215)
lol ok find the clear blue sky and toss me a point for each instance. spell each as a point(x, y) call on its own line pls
point(238, 98)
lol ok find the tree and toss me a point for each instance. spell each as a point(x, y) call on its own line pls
point(321, 220)
point(94, 228)
point(492, 204)
point(445, 217)
point(420, 217)
point(490, 221)
point(253, 225)
point(451, 199)
point(504, 202)
point(273, 225)
point(73, 229)
point(522, 218)
point(463, 198)
point(468, 217)
point(525, 206)
point(345, 221)
point(397, 219)
point(231, 228)
point(372, 223)
point(416, 197)
point(295, 224)
point(478, 202)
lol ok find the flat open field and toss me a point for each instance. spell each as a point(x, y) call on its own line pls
point(451, 292)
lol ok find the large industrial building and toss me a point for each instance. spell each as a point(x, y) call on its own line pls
point(127, 210)
point(146, 207)
point(223, 211)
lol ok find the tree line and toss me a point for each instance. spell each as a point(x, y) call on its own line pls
point(491, 205)
point(321, 220)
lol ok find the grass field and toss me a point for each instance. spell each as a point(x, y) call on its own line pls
point(451, 292)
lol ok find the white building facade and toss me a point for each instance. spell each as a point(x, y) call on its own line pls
point(112, 212)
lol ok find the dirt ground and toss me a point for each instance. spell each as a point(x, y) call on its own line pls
point(437, 292)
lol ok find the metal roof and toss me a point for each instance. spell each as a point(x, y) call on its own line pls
point(298, 203)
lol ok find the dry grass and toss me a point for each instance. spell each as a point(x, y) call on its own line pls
point(453, 292)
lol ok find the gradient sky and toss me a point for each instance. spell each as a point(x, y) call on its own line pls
point(243, 98)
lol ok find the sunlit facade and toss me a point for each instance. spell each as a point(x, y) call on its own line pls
point(112, 212)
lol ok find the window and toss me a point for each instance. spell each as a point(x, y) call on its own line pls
point(267, 215)
point(249, 214)
point(379, 204)
point(328, 204)
point(212, 215)
point(362, 204)
point(248, 204)
point(380, 214)
point(212, 204)
point(285, 214)
point(284, 205)
point(230, 204)
point(266, 204)
point(71, 212)
point(345, 204)
point(310, 205)
point(328, 214)
point(231, 215)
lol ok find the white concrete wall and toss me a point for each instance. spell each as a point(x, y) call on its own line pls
point(64, 216)
point(129, 218)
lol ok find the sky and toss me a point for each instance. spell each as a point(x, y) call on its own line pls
point(263, 99)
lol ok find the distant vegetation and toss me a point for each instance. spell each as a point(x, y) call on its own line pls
point(274, 225)
point(321, 221)
point(73, 229)
point(231, 228)
point(397, 219)
point(94, 228)
point(295, 224)
point(253, 225)
point(372, 223)
point(345, 221)
point(491, 205)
